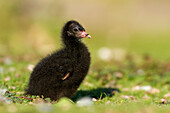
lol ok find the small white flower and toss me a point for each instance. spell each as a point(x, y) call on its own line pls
point(140, 72)
point(85, 101)
point(1, 70)
point(94, 99)
point(4, 100)
point(2, 91)
point(105, 53)
point(7, 61)
point(136, 88)
point(7, 78)
point(146, 88)
point(11, 69)
point(30, 67)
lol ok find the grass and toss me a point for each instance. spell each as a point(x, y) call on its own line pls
point(135, 84)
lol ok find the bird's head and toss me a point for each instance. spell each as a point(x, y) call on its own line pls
point(74, 30)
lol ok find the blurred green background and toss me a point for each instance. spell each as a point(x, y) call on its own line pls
point(31, 28)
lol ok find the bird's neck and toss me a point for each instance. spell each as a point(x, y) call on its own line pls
point(71, 42)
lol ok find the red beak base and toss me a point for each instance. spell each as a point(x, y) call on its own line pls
point(85, 35)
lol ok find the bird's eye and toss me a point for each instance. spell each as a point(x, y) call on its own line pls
point(75, 29)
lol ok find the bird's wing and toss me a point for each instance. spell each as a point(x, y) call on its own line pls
point(64, 68)
point(66, 76)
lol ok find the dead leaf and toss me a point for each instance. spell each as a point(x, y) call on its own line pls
point(167, 95)
point(118, 74)
point(127, 97)
point(153, 91)
point(17, 75)
point(132, 97)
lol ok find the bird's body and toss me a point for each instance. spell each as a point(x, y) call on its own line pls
point(60, 74)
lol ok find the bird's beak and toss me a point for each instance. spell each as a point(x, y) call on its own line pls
point(85, 35)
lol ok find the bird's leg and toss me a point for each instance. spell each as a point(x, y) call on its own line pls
point(66, 76)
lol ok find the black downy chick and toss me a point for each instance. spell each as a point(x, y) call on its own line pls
point(60, 74)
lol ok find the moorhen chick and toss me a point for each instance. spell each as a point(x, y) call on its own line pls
point(60, 73)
